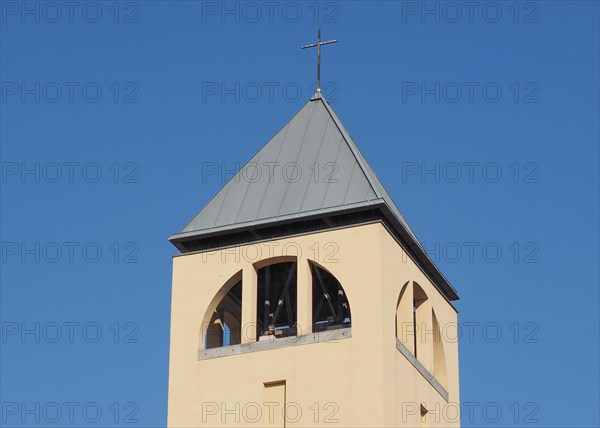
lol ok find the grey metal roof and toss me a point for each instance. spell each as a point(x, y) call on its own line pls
point(310, 167)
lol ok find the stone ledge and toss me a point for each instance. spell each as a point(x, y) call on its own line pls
point(327, 336)
point(424, 372)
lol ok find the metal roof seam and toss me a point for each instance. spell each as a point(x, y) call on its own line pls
point(327, 187)
point(315, 161)
point(312, 111)
point(287, 127)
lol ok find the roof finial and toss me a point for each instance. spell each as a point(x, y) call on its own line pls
point(318, 46)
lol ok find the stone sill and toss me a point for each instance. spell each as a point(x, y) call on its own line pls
point(328, 336)
point(424, 372)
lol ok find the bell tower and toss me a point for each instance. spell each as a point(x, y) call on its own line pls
point(301, 297)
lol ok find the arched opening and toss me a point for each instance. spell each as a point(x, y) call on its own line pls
point(418, 329)
point(276, 300)
point(331, 309)
point(405, 324)
point(224, 326)
point(420, 318)
point(412, 317)
point(439, 357)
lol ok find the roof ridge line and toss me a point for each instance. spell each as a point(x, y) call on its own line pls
point(361, 160)
point(351, 144)
point(241, 168)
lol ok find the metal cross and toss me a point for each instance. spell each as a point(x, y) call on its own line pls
point(318, 46)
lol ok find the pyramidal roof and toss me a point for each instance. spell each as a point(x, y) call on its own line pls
point(311, 169)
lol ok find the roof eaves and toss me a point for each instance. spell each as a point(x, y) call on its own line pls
point(306, 215)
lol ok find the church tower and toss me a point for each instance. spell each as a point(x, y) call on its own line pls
point(302, 297)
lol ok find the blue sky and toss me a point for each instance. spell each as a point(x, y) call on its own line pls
point(481, 121)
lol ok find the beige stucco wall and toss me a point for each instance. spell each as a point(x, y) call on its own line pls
point(358, 381)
